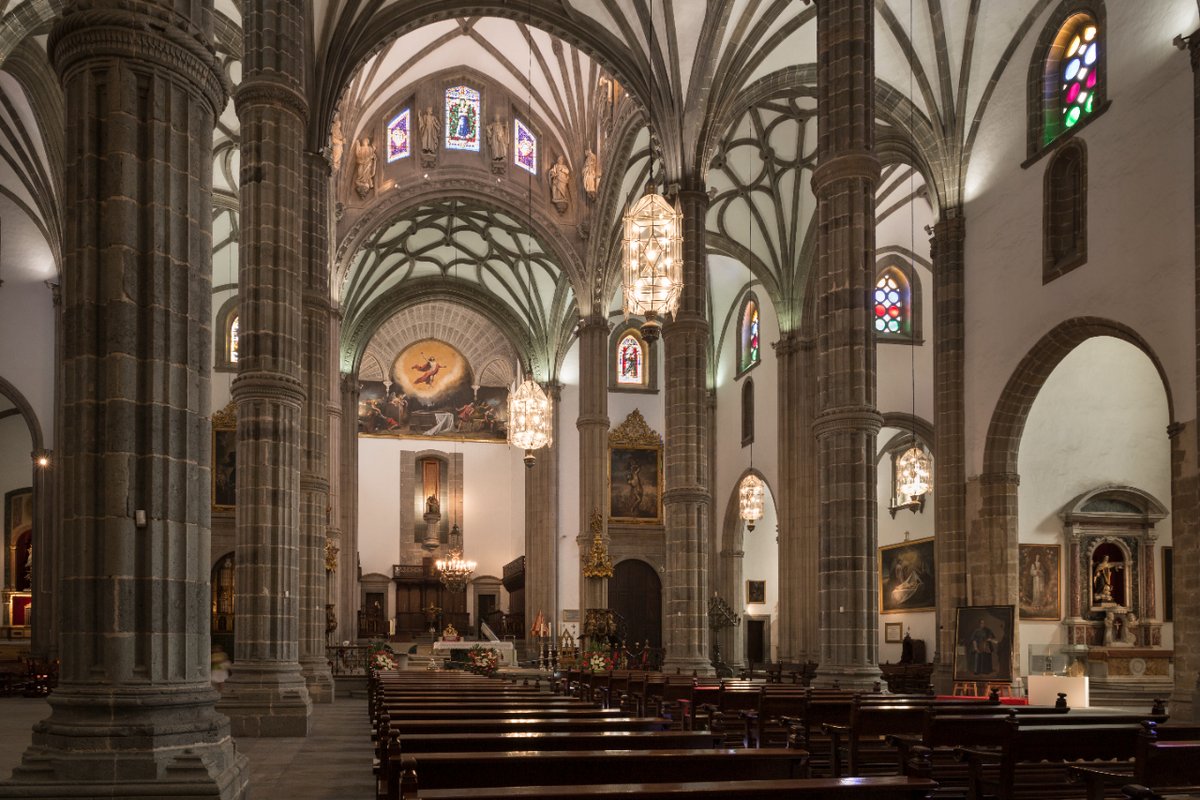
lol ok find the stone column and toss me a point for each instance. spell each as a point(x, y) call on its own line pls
point(949, 443)
point(847, 421)
point(133, 714)
point(47, 518)
point(687, 498)
point(796, 496)
point(348, 483)
point(541, 526)
point(733, 639)
point(266, 695)
point(314, 463)
point(593, 427)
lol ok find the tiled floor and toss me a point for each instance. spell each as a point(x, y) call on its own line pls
point(333, 763)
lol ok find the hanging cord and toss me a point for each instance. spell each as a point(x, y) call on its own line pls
point(750, 250)
point(912, 249)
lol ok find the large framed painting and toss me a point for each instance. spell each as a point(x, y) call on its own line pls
point(983, 637)
point(906, 577)
point(634, 473)
point(1041, 581)
point(433, 392)
point(224, 458)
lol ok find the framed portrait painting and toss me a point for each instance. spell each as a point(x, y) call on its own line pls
point(224, 458)
point(1041, 580)
point(634, 473)
point(756, 592)
point(906, 577)
point(983, 649)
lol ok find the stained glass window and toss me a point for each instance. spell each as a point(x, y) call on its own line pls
point(462, 118)
point(749, 350)
point(631, 361)
point(398, 142)
point(1080, 72)
point(525, 151)
point(234, 328)
point(892, 304)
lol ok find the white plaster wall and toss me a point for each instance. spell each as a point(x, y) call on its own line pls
point(918, 525)
point(27, 344)
point(568, 486)
point(1140, 215)
point(761, 563)
point(493, 523)
point(16, 467)
point(1099, 420)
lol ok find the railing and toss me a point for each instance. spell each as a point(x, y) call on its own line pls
point(348, 659)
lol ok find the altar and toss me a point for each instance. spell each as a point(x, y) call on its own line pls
point(448, 650)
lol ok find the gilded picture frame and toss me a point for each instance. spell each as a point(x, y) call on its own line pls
point(907, 579)
point(1040, 573)
point(223, 473)
point(756, 592)
point(635, 473)
point(983, 643)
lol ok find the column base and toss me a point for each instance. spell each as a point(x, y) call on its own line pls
point(318, 678)
point(131, 743)
point(942, 678)
point(852, 678)
point(687, 666)
point(266, 699)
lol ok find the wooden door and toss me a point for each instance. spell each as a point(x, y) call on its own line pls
point(635, 592)
point(756, 641)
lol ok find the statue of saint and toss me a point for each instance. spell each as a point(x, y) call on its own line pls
point(337, 141)
point(364, 172)
point(427, 125)
point(432, 506)
point(560, 181)
point(497, 137)
point(1102, 579)
point(591, 175)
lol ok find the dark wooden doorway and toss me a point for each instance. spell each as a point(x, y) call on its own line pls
point(756, 641)
point(635, 592)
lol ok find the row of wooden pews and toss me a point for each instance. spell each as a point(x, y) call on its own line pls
point(452, 736)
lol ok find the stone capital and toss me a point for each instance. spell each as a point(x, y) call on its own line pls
point(999, 479)
point(311, 482)
point(269, 92)
point(686, 494)
point(864, 419)
point(270, 386)
point(594, 324)
point(584, 421)
point(855, 165)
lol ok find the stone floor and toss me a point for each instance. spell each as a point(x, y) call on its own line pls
point(333, 763)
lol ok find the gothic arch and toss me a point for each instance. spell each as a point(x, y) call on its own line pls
point(1012, 408)
point(22, 405)
point(729, 566)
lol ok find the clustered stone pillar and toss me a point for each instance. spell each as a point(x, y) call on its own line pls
point(592, 425)
point(314, 467)
point(266, 694)
point(847, 421)
point(348, 487)
point(134, 714)
point(541, 525)
point(949, 418)
point(798, 551)
point(686, 499)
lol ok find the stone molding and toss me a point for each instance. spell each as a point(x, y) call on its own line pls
point(275, 386)
point(259, 92)
point(847, 418)
point(845, 166)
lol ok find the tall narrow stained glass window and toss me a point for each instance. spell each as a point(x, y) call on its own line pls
point(749, 340)
point(398, 141)
point(462, 118)
point(1073, 79)
point(892, 308)
point(525, 151)
point(631, 360)
point(234, 331)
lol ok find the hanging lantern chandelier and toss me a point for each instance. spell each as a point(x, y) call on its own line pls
point(751, 494)
point(914, 471)
point(529, 417)
point(454, 571)
point(652, 272)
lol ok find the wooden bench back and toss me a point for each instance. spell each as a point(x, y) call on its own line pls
point(889, 788)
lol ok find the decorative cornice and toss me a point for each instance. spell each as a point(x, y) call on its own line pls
point(226, 418)
point(597, 563)
point(91, 35)
point(634, 432)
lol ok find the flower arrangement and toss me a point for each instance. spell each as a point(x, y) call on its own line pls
point(382, 656)
point(599, 661)
point(482, 661)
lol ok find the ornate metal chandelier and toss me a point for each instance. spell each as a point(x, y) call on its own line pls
point(529, 417)
point(751, 494)
point(913, 471)
point(454, 571)
point(652, 269)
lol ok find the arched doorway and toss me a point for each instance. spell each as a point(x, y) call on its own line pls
point(635, 592)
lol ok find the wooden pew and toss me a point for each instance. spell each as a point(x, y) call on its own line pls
point(1167, 759)
point(600, 740)
point(893, 788)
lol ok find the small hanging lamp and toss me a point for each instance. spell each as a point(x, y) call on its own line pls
point(752, 493)
point(529, 416)
point(913, 470)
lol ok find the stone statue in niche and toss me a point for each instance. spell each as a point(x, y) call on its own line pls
point(497, 139)
point(429, 128)
point(1102, 579)
point(364, 167)
point(591, 175)
point(432, 506)
point(330, 619)
point(560, 183)
point(337, 142)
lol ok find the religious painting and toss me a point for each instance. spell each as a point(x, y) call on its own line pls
point(756, 592)
point(634, 472)
point(983, 650)
point(906, 577)
point(432, 394)
point(224, 458)
point(1168, 560)
point(1041, 577)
